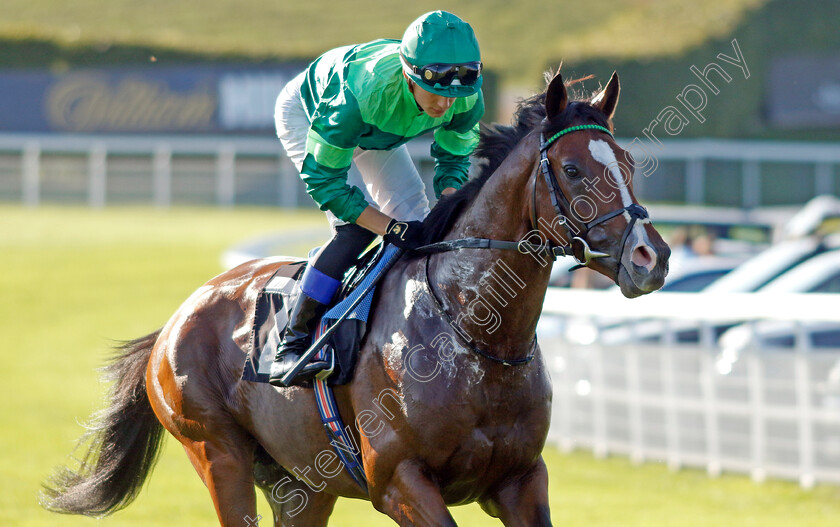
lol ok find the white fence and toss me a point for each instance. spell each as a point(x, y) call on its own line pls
point(253, 170)
point(776, 414)
point(153, 169)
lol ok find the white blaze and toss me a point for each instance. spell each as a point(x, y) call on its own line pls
point(602, 153)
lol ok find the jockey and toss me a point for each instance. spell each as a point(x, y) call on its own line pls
point(344, 122)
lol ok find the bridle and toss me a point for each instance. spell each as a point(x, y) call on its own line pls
point(578, 247)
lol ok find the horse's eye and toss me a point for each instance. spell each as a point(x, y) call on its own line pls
point(570, 170)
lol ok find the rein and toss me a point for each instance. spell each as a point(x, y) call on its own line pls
point(523, 247)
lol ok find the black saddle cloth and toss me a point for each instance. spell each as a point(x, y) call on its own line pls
point(271, 318)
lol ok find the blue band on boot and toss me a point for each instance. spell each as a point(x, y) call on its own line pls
point(319, 286)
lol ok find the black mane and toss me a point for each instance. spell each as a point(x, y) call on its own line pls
point(495, 143)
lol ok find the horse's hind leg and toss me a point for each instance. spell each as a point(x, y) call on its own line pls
point(227, 470)
point(292, 502)
point(220, 450)
point(523, 502)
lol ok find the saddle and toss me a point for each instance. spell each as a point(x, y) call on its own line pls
point(271, 318)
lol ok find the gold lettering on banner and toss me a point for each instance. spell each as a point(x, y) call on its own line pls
point(90, 103)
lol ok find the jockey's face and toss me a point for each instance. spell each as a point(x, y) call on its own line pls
point(433, 104)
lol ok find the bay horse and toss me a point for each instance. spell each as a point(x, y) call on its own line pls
point(451, 398)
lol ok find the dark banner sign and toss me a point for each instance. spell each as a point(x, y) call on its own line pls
point(210, 99)
point(804, 92)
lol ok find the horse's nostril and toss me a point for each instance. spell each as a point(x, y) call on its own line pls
point(643, 256)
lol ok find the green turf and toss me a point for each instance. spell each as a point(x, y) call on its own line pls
point(518, 39)
point(74, 279)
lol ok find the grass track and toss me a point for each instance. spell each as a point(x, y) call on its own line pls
point(72, 279)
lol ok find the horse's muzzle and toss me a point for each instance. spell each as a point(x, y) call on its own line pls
point(644, 265)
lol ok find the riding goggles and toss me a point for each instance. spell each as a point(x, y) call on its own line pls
point(465, 74)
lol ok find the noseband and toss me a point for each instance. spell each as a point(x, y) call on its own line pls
point(580, 247)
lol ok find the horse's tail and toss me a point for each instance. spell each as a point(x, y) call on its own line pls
point(123, 441)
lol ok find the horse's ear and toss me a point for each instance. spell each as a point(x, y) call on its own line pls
point(607, 99)
point(556, 97)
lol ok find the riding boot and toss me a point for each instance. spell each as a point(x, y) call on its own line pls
point(296, 341)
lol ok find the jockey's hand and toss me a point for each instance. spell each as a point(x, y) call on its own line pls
point(406, 235)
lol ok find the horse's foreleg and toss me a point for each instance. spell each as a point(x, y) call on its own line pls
point(523, 502)
point(412, 499)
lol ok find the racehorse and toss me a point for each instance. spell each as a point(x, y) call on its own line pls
point(451, 399)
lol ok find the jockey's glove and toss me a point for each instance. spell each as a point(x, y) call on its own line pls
point(406, 235)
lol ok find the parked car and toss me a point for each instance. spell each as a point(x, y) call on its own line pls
point(695, 274)
point(732, 233)
point(820, 216)
point(797, 266)
point(819, 274)
point(757, 272)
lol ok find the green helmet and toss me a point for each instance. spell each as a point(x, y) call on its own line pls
point(439, 52)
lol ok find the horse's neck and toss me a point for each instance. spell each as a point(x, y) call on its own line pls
point(497, 295)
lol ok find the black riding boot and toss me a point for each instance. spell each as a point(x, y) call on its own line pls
point(296, 341)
